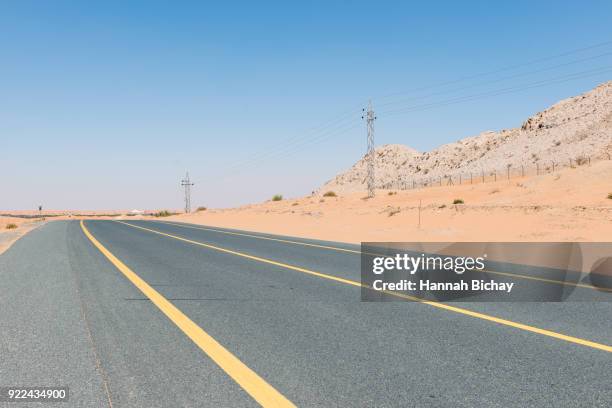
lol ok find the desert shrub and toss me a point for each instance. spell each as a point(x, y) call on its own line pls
point(201, 209)
point(581, 160)
point(294, 204)
point(391, 193)
point(609, 196)
point(330, 194)
point(11, 226)
point(394, 211)
point(457, 201)
point(442, 206)
point(277, 197)
point(163, 213)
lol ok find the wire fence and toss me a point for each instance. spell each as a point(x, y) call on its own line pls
point(508, 172)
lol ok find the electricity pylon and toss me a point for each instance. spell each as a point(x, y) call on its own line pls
point(370, 155)
point(187, 184)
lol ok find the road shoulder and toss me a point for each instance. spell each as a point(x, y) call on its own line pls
point(9, 237)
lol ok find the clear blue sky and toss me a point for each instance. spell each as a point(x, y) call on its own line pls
point(106, 104)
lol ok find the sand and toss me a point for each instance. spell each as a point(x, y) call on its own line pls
point(24, 225)
point(568, 205)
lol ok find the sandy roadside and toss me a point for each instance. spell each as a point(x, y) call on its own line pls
point(9, 236)
point(568, 205)
point(24, 225)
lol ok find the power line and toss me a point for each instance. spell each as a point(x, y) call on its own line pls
point(522, 74)
point(330, 125)
point(308, 138)
point(337, 125)
point(291, 150)
point(497, 71)
point(296, 141)
point(502, 91)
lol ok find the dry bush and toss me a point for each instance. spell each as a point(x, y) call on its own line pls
point(458, 201)
point(11, 226)
point(330, 194)
point(394, 211)
point(581, 160)
point(163, 213)
point(277, 197)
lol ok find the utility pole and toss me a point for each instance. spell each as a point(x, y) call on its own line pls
point(187, 184)
point(370, 155)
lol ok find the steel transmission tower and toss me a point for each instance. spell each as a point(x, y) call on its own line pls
point(370, 155)
point(187, 184)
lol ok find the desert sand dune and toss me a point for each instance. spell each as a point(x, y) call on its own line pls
point(570, 204)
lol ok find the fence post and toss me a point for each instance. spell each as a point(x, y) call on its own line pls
point(483, 176)
point(471, 179)
point(508, 172)
point(459, 178)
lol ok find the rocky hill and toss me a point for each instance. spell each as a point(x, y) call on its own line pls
point(570, 131)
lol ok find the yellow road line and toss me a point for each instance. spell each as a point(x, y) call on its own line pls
point(241, 234)
point(253, 384)
point(333, 248)
point(558, 282)
point(438, 305)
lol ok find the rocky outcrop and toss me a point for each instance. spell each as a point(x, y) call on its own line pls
point(573, 129)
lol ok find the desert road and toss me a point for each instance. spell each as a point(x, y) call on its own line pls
point(156, 314)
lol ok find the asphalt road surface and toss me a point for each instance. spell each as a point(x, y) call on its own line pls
point(154, 314)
